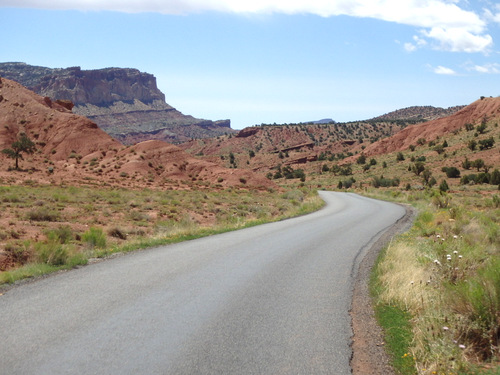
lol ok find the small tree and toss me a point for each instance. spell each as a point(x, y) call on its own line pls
point(443, 186)
point(466, 164)
point(418, 168)
point(427, 175)
point(23, 144)
point(361, 159)
point(478, 164)
point(472, 144)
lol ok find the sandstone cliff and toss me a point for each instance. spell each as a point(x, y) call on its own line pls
point(71, 149)
point(126, 103)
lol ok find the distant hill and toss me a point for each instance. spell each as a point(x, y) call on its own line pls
point(484, 109)
point(72, 149)
point(126, 103)
point(418, 113)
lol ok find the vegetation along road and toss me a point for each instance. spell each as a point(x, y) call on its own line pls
point(272, 299)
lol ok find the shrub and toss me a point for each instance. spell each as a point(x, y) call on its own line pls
point(345, 170)
point(443, 186)
point(478, 301)
point(481, 128)
point(117, 233)
point(421, 141)
point(51, 252)
point(43, 214)
point(418, 168)
point(485, 144)
point(451, 172)
point(495, 177)
point(17, 253)
point(466, 164)
point(63, 234)
point(400, 156)
point(439, 149)
point(346, 184)
point(361, 159)
point(95, 237)
point(385, 182)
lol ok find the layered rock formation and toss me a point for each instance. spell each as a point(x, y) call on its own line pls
point(71, 149)
point(126, 103)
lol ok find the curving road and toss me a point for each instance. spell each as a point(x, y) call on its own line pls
point(272, 299)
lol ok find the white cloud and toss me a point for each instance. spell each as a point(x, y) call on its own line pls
point(418, 43)
point(486, 69)
point(459, 40)
point(445, 71)
point(455, 29)
point(409, 47)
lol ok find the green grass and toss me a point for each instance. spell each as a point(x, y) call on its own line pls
point(398, 336)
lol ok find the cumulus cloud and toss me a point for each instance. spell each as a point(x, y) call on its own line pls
point(454, 28)
point(459, 39)
point(445, 71)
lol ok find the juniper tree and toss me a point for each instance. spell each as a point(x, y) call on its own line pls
point(22, 145)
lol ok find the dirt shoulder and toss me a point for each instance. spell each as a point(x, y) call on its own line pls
point(369, 355)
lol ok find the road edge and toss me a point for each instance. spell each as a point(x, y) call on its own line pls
point(368, 348)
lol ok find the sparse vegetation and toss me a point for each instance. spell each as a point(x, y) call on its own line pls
point(72, 223)
point(442, 278)
point(23, 145)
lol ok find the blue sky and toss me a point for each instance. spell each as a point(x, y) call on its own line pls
point(266, 61)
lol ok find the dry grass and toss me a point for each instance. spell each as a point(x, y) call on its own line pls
point(62, 226)
point(444, 273)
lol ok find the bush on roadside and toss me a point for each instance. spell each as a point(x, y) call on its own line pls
point(94, 238)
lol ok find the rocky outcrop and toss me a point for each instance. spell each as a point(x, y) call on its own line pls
point(101, 87)
point(126, 103)
point(71, 149)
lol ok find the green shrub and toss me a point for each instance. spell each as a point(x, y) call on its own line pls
point(52, 252)
point(63, 234)
point(486, 143)
point(384, 182)
point(95, 238)
point(451, 172)
point(443, 186)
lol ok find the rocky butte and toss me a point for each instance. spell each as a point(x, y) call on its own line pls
point(126, 103)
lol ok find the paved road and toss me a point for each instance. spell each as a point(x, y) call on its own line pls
point(272, 299)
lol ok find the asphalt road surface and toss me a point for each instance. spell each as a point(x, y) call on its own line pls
point(272, 299)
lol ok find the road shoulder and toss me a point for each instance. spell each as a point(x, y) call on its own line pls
point(368, 347)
